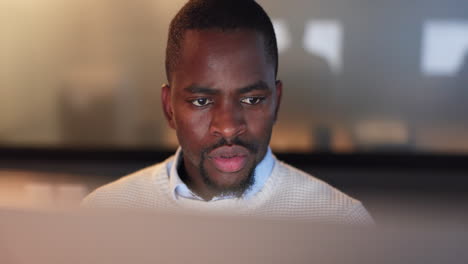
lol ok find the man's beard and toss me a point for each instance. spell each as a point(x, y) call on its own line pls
point(235, 190)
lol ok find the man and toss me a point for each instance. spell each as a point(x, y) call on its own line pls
point(222, 100)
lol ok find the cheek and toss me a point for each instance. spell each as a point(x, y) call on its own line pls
point(260, 122)
point(191, 126)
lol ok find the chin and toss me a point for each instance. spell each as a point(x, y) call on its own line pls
point(229, 183)
point(229, 180)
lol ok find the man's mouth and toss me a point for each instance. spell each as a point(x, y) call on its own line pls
point(229, 158)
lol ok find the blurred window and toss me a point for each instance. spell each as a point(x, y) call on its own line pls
point(445, 45)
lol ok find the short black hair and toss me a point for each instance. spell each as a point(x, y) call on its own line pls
point(219, 14)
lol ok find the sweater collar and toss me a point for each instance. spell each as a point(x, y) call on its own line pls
point(180, 190)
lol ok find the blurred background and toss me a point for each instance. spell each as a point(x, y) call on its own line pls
point(374, 96)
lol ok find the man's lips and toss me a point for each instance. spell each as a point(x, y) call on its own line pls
point(233, 164)
point(229, 158)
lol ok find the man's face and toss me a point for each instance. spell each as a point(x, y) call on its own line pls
point(222, 102)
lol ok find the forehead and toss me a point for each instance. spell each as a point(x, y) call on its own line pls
point(222, 58)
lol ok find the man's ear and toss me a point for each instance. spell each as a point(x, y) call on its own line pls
point(279, 93)
point(166, 104)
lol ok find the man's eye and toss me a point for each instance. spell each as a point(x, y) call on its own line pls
point(202, 101)
point(252, 100)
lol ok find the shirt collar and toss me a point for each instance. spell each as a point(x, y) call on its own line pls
point(180, 190)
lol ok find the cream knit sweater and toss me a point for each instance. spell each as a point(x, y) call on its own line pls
point(288, 192)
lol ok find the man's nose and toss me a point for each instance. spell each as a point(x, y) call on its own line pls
point(228, 121)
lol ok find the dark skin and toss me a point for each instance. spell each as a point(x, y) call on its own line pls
point(223, 89)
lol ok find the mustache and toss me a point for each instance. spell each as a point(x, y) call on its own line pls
point(252, 147)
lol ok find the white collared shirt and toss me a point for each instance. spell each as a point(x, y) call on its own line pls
point(180, 190)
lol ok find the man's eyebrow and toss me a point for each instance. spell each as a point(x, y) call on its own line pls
point(195, 89)
point(258, 86)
